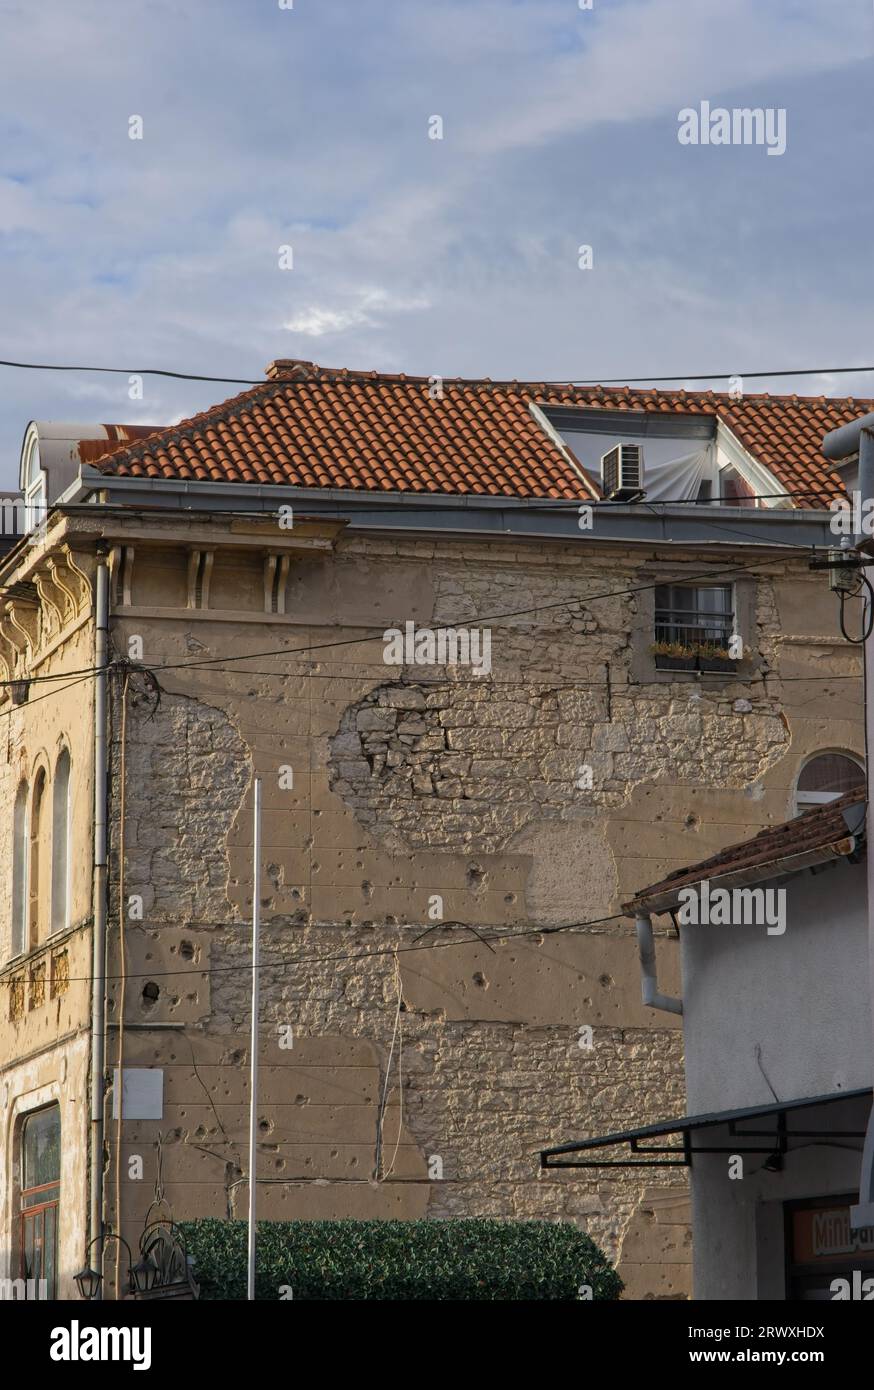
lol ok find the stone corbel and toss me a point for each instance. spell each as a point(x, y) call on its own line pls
point(52, 602)
point(269, 572)
point(8, 656)
point(199, 575)
point(121, 567)
point(275, 581)
point(20, 625)
point(72, 582)
point(82, 579)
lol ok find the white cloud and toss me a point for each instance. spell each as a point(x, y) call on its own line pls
point(373, 307)
point(459, 256)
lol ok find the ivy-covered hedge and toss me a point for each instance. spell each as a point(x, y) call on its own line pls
point(483, 1260)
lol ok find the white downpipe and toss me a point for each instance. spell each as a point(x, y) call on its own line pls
point(98, 903)
point(649, 979)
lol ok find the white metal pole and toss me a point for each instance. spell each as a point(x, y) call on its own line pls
point(253, 1045)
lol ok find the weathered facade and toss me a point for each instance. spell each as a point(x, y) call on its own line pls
point(445, 853)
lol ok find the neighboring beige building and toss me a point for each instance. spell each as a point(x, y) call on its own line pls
point(445, 852)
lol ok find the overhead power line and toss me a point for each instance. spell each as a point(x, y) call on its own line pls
point(322, 375)
point(478, 938)
point(133, 371)
point(374, 634)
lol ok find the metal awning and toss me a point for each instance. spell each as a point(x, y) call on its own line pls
point(778, 1135)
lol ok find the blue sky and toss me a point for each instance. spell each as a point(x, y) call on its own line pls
point(308, 127)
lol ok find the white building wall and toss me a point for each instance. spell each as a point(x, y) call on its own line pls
point(797, 1007)
point(802, 999)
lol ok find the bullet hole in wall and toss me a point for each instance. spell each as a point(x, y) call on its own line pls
point(151, 994)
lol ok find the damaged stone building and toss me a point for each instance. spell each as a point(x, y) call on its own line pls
point(639, 667)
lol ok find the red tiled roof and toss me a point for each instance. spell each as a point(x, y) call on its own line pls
point(116, 437)
point(814, 830)
point(312, 427)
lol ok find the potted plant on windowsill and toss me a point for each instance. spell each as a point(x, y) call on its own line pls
point(674, 656)
point(692, 656)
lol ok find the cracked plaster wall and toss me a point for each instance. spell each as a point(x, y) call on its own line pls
point(452, 787)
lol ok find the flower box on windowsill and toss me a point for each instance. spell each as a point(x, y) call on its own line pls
point(675, 663)
point(691, 660)
point(716, 663)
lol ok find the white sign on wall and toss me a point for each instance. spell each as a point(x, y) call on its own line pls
point(143, 1093)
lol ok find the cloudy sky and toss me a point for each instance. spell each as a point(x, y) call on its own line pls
point(309, 127)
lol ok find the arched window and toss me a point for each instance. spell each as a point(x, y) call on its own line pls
point(826, 776)
point(37, 869)
point(40, 1159)
point(34, 487)
point(19, 871)
point(61, 843)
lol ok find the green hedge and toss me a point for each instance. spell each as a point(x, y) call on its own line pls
point(484, 1260)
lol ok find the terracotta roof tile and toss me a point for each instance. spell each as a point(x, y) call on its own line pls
point(368, 431)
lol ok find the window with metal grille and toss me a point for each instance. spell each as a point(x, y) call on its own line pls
point(39, 1201)
point(694, 615)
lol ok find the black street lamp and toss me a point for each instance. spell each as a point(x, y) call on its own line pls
point(146, 1273)
point(163, 1270)
point(90, 1280)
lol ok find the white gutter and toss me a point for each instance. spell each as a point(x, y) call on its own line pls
point(98, 897)
point(648, 971)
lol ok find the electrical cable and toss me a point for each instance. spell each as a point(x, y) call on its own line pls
point(478, 620)
point(376, 633)
point(867, 613)
point(320, 374)
point(343, 957)
point(396, 1037)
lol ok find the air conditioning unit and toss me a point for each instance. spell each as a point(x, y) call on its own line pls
point(622, 472)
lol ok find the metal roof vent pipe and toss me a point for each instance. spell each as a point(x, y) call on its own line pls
point(856, 438)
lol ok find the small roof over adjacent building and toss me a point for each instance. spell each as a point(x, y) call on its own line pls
point(825, 832)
